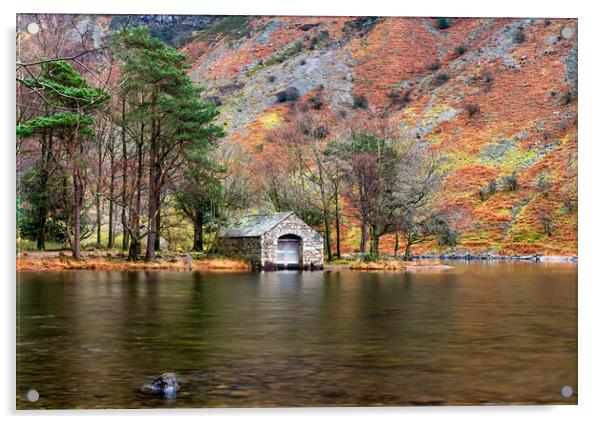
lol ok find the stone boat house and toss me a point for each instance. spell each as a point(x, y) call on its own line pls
point(278, 241)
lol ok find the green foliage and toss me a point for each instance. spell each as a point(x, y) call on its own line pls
point(437, 226)
point(279, 57)
point(518, 36)
point(487, 79)
point(368, 257)
point(511, 182)
point(234, 26)
point(64, 88)
point(42, 192)
point(163, 99)
point(291, 94)
point(69, 102)
point(361, 25)
point(62, 122)
point(441, 79)
point(443, 23)
point(460, 50)
point(544, 184)
point(359, 101)
point(433, 66)
point(399, 99)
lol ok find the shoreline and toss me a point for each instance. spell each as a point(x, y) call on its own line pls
point(500, 258)
point(114, 261)
point(107, 261)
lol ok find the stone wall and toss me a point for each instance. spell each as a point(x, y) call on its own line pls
point(312, 243)
point(246, 248)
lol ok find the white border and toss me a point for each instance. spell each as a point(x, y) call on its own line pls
point(590, 178)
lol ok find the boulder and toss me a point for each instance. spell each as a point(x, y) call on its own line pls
point(166, 385)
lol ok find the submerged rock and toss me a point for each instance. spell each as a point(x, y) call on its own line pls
point(166, 385)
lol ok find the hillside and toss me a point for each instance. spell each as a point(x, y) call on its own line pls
point(495, 96)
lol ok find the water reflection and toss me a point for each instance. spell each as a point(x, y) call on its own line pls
point(482, 333)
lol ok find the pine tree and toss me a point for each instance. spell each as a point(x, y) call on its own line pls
point(170, 107)
point(74, 102)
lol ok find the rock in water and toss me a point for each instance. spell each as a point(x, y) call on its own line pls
point(166, 385)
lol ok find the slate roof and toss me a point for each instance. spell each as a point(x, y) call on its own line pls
point(255, 225)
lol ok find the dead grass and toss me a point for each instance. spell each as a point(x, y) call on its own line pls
point(396, 265)
point(58, 263)
point(382, 265)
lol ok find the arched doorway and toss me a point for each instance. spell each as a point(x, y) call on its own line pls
point(289, 251)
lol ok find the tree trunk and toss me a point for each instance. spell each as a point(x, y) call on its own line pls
point(158, 238)
point(72, 150)
point(124, 171)
point(98, 200)
point(407, 256)
point(337, 223)
point(364, 237)
point(152, 210)
point(111, 240)
point(135, 247)
point(43, 201)
point(98, 222)
point(76, 214)
point(374, 244)
point(327, 237)
point(153, 179)
point(198, 234)
point(42, 213)
point(396, 245)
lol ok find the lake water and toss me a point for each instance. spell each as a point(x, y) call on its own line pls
point(477, 334)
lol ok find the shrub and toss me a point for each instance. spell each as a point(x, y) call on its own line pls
point(518, 36)
point(443, 23)
point(396, 98)
point(483, 193)
point(231, 88)
point(489, 190)
point(316, 102)
point(569, 202)
point(324, 35)
point(460, 50)
point(492, 187)
point(566, 98)
point(487, 79)
point(320, 132)
point(546, 219)
point(544, 184)
point(359, 101)
point(433, 66)
point(472, 109)
point(216, 100)
point(291, 94)
point(441, 78)
point(511, 182)
point(368, 257)
point(307, 27)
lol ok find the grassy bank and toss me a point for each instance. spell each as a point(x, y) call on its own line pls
point(386, 264)
point(107, 261)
